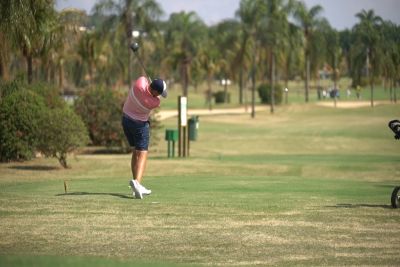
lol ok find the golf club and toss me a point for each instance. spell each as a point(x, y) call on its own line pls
point(135, 48)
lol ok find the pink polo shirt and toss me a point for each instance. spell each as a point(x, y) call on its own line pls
point(140, 102)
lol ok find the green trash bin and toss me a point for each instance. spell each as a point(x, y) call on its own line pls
point(193, 127)
point(171, 136)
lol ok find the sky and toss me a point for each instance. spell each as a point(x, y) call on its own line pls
point(339, 13)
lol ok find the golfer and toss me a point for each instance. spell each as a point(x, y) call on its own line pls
point(142, 98)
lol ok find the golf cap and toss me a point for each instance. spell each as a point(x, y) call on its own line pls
point(160, 86)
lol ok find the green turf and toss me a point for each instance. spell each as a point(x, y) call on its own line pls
point(306, 186)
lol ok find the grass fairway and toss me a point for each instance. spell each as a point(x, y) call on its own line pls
point(306, 186)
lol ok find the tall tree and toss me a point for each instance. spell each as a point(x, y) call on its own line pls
point(368, 40)
point(309, 20)
point(208, 56)
point(292, 53)
point(128, 16)
point(226, 35)
point(243, 57)
point(250, 13)
point(26, 22)
point(182, 38)
point(333, 53)
point(391, 56)
point(275, 26)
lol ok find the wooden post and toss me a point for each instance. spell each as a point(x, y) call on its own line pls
point(182, 127)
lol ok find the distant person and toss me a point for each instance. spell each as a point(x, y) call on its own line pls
point(358, 92)
point(348, 92)
point(142, 98)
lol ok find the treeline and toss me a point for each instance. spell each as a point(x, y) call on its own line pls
point(268, 40)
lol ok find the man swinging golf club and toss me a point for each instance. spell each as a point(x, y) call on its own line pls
point(142, 98)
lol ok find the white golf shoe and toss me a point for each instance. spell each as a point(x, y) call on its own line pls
point(144, 190)
point(136, 189)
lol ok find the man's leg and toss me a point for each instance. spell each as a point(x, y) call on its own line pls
point(140, 164)
point(133, 164)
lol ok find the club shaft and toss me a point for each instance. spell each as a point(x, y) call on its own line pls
point(141, 64)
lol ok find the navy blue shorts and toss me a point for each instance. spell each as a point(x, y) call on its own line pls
point(137, 133)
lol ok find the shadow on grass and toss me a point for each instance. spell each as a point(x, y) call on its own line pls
point(94, 194)
point(353, 206)
point(35, 168)
point(104, 151)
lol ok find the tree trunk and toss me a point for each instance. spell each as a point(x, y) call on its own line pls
point(241, 86)
point(129, 71)
point(209, 91)
point(335, 82)
point(61, 76)
point(226, 91)
point(185, 77)
point(62, 158)
point(391, 90)
point(287, 66)
point(272, 82)
point(29, 67)
point(128, 30)
point(372, 94)
point(3, 70)
point(370, 79)
point(307, 78)
point(90, 72)
point(253, 82)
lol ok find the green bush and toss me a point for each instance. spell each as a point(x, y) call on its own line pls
point(50, 94)
point(34, 117)
point(264, 91)
point(62, 131)
point(220, 97)
point(10, 87)
point(101, 111)
point(20, 116)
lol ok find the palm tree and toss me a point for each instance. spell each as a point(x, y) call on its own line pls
point(276, 28)
point(309, 20)
point(127, 16)
point(243, 56)
point(59, 46)
point(250, 13)
point(208, 56)
point(368, 39)
point(332, 54)
point(182, 38)
point(226, 37)
point(292, 50)
point(25, 24)
point(345, 40)
point(391, 55)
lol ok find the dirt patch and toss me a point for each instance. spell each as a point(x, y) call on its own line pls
point(350, 104)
